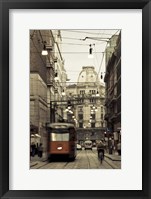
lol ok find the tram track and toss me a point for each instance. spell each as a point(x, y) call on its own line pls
point(89, 165)
point(49, 162)
point(42, 165)
point(90, 160)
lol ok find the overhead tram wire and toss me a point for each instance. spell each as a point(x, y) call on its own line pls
point(84, 38)
point(87, 32)
point(100, 39)
point(101, 61)
point(73, 44)
point(116, 32)
point(67, 38)
point(71, 38)
point(72, 82)
point(96, 57)
point(81, 43)
point(78, 52)
point(85, 44)
point(104, 53)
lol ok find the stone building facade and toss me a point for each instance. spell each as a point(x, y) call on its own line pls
point(87, 98)
point(60, 77)
point(38, 89)
point(43, 85)
point(113, 87)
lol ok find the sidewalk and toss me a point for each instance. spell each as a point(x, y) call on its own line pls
point(113, 157)
point(114, 160)
point(35, 160)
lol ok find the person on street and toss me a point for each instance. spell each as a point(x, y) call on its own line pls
point(119, 148)
point(33, 149)
point(110, 146)
point(101, 147)
point(40, 150)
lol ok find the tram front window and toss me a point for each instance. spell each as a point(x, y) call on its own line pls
point(60, 136)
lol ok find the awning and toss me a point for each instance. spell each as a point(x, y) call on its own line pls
point(35, 135)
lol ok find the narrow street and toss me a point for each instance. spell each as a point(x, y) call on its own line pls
point(85, 159)
point(79, 97)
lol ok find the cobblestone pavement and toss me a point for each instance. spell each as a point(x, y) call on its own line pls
point(113, 160)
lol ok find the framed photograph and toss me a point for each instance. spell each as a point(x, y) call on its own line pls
point(75, 99)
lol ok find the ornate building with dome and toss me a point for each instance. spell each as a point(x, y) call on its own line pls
point(87, 101)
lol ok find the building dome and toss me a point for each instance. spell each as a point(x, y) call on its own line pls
point(88, 75)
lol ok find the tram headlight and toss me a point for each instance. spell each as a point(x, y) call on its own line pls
point(59, 148)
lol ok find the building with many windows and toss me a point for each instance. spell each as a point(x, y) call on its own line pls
point(113, 87)
point(87, 101)
point(47, 80)
point(60, 78)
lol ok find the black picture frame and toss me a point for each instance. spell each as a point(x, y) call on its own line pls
point(5, 5)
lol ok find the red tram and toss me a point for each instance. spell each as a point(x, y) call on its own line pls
point(61, 140)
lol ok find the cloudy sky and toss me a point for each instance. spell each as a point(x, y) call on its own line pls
point(75, 50)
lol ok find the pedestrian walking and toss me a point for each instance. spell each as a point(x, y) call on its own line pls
point(33, 149)
point(119, 148)
point(110, 146)
point(40, 150)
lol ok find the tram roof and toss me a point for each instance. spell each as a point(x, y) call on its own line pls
point(60, 125)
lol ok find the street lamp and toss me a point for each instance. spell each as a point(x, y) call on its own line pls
point(63, 93)
point(102, 75)
point(97, 39)
point(44, 51)
point(90, 52)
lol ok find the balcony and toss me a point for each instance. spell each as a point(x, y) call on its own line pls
point(55, 59)
point(56, 90)
point(50, 82)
